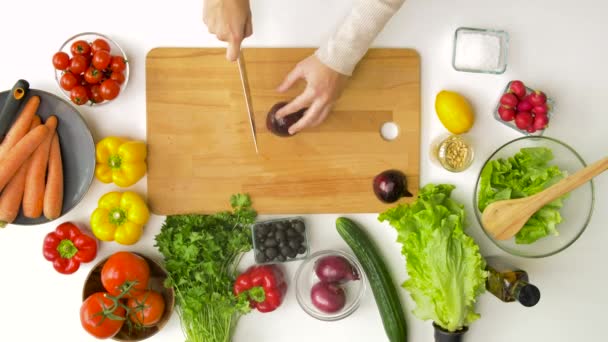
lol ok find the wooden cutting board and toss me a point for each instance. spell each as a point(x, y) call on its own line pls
point(201, 150)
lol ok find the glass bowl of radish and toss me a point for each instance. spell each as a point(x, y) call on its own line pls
point(524, 109)
point(330, 285)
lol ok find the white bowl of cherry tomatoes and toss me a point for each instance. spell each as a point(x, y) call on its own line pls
point(91, 68)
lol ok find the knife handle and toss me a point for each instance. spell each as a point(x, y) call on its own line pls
point(11, 105)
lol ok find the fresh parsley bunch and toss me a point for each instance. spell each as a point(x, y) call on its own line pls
point(201, 255)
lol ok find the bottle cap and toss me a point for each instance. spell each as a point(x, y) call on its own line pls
point(528, 295)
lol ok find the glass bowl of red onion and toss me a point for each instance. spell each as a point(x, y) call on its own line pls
point(330, 284)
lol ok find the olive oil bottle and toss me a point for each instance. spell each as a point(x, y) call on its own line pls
point(509, 283)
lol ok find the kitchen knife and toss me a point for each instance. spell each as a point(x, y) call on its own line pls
point(245, 83)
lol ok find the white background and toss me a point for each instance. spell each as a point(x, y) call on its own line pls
point(556, 46)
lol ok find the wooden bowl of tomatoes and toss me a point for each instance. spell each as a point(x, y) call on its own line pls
point(124, 298)
point(91, 68)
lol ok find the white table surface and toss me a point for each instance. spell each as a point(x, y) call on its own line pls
point(556, 46)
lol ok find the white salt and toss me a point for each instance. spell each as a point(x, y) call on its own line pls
point(477, 51)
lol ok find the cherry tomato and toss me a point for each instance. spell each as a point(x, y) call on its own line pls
point(94, 93)
point(68, 81)
point(61, 60)
point(80, 47)
point(118, 64)
point(119, 77)
point(101, 59)
point(110, 89)
point(100, 44)
point(93, 76)
point(78, 95)
point(95, 322)
point(124, 267)
point(78, 64)
point(146, 309)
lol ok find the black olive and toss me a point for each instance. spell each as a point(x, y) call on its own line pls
point(291, 232)
point(270, 242)
point(285, 251)
point(280, 235)
point(280, 258)
point(270, 234)
point(262, 229)
point(271, 252)
point(299, 226)
point(294, 244)
point(292, 253)
point(260, 257)
point(302, 250)
point(281, 244)
point(280, 226)
point(261, 247)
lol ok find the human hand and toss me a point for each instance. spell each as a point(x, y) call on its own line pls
point(323, 88)
point(230, 21)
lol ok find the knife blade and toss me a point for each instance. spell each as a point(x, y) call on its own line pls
point(246, 91)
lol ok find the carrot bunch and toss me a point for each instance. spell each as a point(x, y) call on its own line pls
point(31, 171)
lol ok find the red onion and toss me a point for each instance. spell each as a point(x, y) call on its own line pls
point(328, 297)
point(335, 268)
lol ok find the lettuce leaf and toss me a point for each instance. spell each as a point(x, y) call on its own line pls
point(447, 272)
point(526, 173)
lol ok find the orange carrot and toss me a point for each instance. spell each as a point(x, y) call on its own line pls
point(21, 126)
point(53, 192)
point(19, 154)
point(33, 194)
point(10, 199)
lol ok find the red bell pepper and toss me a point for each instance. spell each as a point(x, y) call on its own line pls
point(265, 287)
point(67, 247)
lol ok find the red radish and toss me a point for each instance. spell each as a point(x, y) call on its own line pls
point(540, 122)
point(531, 129)
point(509, 100)
point(523, 120)
point(518, 88)
point(524, 106)
point(506, 113)
point(540, 109)
point(538, 98)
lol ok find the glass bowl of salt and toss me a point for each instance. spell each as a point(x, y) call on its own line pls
point(479, 50)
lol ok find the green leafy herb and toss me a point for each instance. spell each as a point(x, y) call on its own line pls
point(526, 173)
point(447, 272)
point(201, 255)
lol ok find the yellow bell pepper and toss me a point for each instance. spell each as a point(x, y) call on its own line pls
point(120, 161)
point(120, 217)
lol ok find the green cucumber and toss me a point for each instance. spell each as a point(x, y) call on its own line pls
point(379, 278)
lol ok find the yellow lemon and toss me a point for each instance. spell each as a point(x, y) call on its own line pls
point(454, 112)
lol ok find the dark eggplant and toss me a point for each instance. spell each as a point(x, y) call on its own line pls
point(11, 106)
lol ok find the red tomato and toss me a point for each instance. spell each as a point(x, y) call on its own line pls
point(80, 47)
point(101, 59)
point(100, 44)
point(78, 64)
point(94, 93)
point(110, 89)
point(123, 267)
point(68, 81)
point(93, 76)
point(61, 60)
point(94, 322)
point(78, 95)
point(118, 64)
point(147, 308)
point(119, 77)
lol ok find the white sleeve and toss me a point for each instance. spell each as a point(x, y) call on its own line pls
point(350, 42)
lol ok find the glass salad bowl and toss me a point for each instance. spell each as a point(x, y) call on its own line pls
point(577, 205)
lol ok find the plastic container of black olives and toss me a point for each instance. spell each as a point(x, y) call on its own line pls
point(280, 240)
